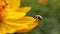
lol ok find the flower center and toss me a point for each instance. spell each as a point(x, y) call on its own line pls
point(3, 6)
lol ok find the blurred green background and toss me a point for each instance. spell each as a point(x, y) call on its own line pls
point(50, 13)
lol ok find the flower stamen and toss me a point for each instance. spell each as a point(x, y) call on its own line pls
point(3, 6)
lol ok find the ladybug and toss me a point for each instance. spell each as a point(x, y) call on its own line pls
point(38, 17)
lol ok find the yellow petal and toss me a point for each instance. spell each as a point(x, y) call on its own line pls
point(13, 15)
point(1, 32)
point(12, 28)
point(2, 29)
point(24, 25)
point(23, 21)
point(24, 9)
point(13, 4)
point(29, 28)
point(9, 29)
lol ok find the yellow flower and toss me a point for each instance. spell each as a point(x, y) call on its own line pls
point(13, 19)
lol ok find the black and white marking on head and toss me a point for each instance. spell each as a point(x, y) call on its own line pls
point(38, 17)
